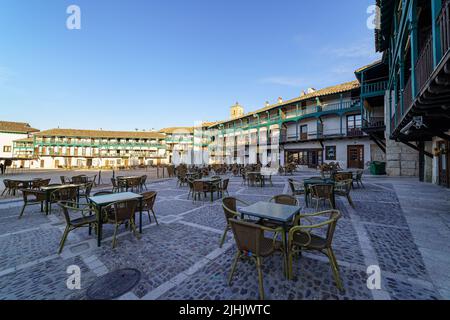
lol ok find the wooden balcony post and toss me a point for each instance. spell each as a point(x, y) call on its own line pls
point(414, 47)
point(436, 7)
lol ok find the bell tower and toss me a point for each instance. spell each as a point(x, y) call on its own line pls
point(237, 111)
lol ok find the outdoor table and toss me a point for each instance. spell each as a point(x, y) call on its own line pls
point(24, 184)
point(274, 212)
point(102, 201)
point(313, 181)
point(48, 190)
point(210, 181)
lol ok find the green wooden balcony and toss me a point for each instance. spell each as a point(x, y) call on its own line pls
point(374, 89)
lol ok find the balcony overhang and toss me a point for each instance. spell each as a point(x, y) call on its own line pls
point(432, 104)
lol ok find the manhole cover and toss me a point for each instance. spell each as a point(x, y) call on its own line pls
point(114, 284)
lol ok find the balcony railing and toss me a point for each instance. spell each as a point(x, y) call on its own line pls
point(322, 134)
point(444, 25)
point(424, 66)
point(373, 122)
point(407, 95)
point(374, 87)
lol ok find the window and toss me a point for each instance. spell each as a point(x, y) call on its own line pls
point(354, 124)
point(330, 153)
point(6, 148)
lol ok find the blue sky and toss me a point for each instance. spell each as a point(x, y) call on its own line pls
point(150, 64)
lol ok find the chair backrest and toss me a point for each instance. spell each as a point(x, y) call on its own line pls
point(225, 184)
point(124, 210)
point(143, 179)
point(65, 195)
point(198, 186)
point(248, 236)
point(63, 179)
point(114, 182)
point(345, 186)
point(149, 199)
point(6, 182)
point(285, 199)
point(359, 174)
point(323, 191)
point(229, 205)
point(343, 176)
point(292, 186)
point(44, 183)
point(79, 179)
point(88, 188)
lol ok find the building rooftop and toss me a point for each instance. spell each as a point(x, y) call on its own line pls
point(101, 134)
point(16, 127)
point(340, 88)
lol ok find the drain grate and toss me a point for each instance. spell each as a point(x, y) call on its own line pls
point(114, 284)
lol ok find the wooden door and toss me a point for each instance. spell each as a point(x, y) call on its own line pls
point(355, 157)
point(443, 165)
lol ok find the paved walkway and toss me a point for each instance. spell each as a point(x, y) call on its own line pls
point(400, 225)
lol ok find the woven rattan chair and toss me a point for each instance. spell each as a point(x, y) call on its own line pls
point(86, 191)
point(322, 192)
point(37, 184)
point(343, 188)
point(223, 187)
point(87, 219)
point(80, 179)
point(66, 195)
point(252, 244)
point(297, 187)
point(309, 236)
point(199, 188)
point(32, 197)
point(358, 178)
point(7, 190)
point(144, 182)
point(148, 202)
point(285, 199)
point(120, 213)
point(343, 176)
point(230, 211)
point(65, 180)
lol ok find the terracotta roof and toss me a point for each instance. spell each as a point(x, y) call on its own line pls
point(24, 140)
point(101, 134)
point(16, 127)
point(344, 87)
point(368, 66)
point(177, 130)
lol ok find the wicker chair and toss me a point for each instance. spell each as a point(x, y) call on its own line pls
point(66, 195)
point(87, 219)
point(148, 202)
point(230, 211)
point(309, 237)
point(198, 188)
point(285, 199)
point(86, 192)
point(80, 179)
point(144, 182)
point(65, 180)
point(7, 190)
point(120, 213)
point(322, 192)
point(343, 188)
point(32, 197)
point(358, 179)
point(223, 187)
point(252, 244)
point(115, 185)
point(343, 176)
point(297, 188)
point(37, 184)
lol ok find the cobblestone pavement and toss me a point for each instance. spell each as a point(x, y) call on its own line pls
point(400, 225)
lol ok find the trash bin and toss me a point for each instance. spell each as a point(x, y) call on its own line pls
point(378, 168)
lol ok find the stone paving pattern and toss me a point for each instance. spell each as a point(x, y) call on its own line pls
point(400, 225)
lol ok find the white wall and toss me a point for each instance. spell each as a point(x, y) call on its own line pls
point(6, 139)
